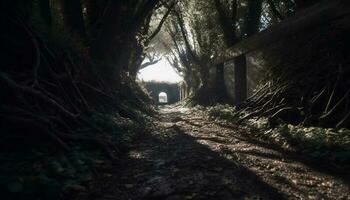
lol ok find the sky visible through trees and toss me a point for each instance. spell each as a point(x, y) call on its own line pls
point(174, 99)
point(161, 71)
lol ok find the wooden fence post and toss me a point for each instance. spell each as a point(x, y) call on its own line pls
point(240, 75)
point(220, 76)
point(220, 85)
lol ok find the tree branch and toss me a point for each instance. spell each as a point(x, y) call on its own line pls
point(274, 10)
point(160, 25)
point(185, 37)
point(149, 63)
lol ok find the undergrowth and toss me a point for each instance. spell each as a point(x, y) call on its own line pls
point(328, 144)
point(59, 120)
point(44, 172)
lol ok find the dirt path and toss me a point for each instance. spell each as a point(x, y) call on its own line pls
point(189, 157)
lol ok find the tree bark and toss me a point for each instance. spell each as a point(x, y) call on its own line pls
point(45, 12)
point(92, 12)
point(253, 17)
point(73, 17)
point(160, 25)
point(110, 31)
point(184, 34)
point(228, 21)
point(119, 25)
point(274, 10)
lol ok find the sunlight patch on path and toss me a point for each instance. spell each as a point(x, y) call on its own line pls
point(187, 156)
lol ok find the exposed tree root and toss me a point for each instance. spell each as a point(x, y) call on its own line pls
point(54, 98)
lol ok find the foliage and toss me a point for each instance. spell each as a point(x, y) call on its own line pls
point(48, 173)
point(225, 113)
point(321, 143)
point(114, 124)
point(305, 87)
point(59, 118)
point(45, 175)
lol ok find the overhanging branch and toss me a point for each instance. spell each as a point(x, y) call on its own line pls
point(147, 64)
point(160, 25)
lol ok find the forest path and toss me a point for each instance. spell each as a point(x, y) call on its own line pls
point(189, 157)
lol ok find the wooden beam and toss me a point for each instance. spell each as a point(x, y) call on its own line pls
point(307, 19)
point(240, 77)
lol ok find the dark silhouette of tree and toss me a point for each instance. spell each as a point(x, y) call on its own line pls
point(45, 12)
point(73, 17)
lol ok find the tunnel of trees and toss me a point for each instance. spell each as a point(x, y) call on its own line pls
point(70, 97)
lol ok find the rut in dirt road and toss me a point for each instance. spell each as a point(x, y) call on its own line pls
point(189, 157)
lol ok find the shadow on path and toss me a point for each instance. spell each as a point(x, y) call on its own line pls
point(171, 164)
point(188, 157)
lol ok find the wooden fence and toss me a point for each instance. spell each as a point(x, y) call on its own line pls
point(240, 56)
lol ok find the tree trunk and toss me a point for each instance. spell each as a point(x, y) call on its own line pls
point(253, 17)
point(120, 23)
point(204, 71)
point(111, 39)
point(73, 17)
point(136, 61)
point(19, 8)
point(227, 20)
point(274, 10)
point(45, 12)
point(92, 12)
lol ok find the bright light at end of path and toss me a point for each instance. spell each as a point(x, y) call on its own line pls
point(162, 71)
